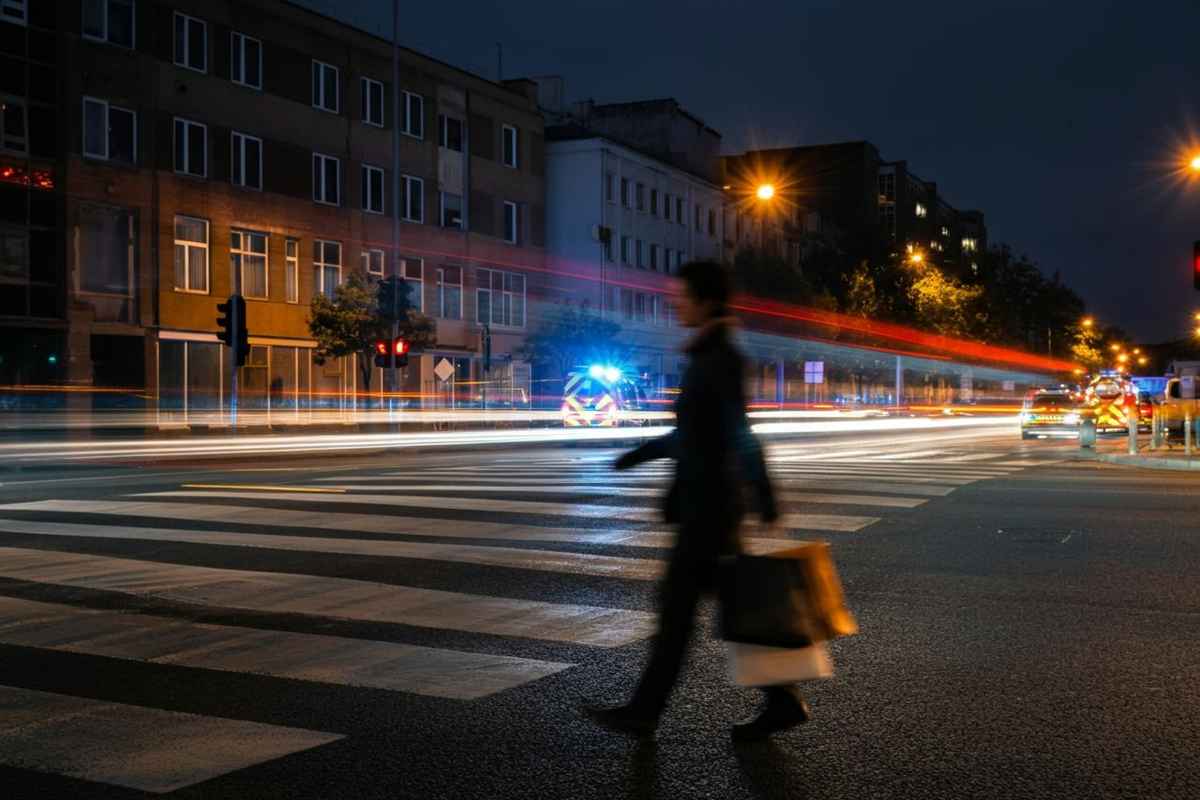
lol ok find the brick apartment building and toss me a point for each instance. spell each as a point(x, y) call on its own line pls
point(158, 155)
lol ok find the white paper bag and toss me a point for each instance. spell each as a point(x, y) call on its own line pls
point(758, 665)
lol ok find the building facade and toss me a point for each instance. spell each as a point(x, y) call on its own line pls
point(621, 220)
point(205, 148)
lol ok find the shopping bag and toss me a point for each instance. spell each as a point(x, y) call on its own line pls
point(791, 599)
point(758, 665)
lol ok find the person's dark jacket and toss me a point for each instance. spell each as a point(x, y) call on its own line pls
point(716, 455)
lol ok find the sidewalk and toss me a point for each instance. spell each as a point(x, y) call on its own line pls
point(1116, 451)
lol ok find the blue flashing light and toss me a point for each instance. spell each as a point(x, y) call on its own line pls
point(612, 374)
point(596, 371)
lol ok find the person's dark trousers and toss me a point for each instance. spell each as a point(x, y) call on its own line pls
point(686, 579)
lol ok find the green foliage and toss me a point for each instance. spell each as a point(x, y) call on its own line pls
point(943, 304)
point(569, 336)
point(352, 321)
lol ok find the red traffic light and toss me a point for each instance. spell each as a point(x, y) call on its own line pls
point(1196, 265)
point(399, 347)
point(381, 347)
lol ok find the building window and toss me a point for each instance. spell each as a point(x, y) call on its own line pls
point(510, 146)
point(500, 298)
point(887, 217)
point(105, 250)
point(921, 211)
point(109, 132)
point(512, 222)
point(372, 262)
point(372, 189)
point(13, 133)
point(625, 192)
point(452, 206)
point(191, 255)
point(680, 217)
point(667, 260)
point(945, 231)
point(606, 245)
point(245, 60)
point(449, 292)
point(450, 133)
point(191, 148)
point(712, 222)
point(414, 199)
point(654, 257)
point(639, 305)
point(412, 270)
point(372, 102)
point(610, 187)
point(414, 115)
point(970, 245)
point(291, 271)
point(654, 202)
point(327, 267)
point(667, 206)
point(13, 11)
point(109, 21)
point(640, 256)
point(327, 179)
point(325, 83)
point(657, 311)
point(248, 256)
point(887, 187)
point(641, 197)
point(191, 42)
point(625, 250)
point(680, 259)
point(246, 160)
point(627, 304)
point(696, 208)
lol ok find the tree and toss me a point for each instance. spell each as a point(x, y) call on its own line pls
point(862, 298)
point(943, 304)
point(355, 318)
point(569, 336)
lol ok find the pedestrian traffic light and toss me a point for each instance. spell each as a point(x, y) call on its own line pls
point(400, 351)
point(233, 331)
point(1196, 265)
point(383, 352)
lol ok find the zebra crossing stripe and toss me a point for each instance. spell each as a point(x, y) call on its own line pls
point(303, 656)
point(821, 522)
point(638, 569)
point(345, 522)
point(136, 747)
point(343, 598)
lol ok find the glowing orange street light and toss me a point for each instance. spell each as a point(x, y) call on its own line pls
point(1194, 164)
point(916, 257)
point(1123, 357)
point(1142, 361)
point(1088, 322)
point(1137, 351)
point(765, 191)
point(1116, 348)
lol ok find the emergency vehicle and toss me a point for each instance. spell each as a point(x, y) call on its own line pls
point(1050, 412)
point(1110, 399)
point(600, 395)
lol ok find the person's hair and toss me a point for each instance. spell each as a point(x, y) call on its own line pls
point(708, 282)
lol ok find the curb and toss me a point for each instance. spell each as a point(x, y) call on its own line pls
point(1147, 462)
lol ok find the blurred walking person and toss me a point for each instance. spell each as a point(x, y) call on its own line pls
point(716, 458)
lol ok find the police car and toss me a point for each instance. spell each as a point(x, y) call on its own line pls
point(1050, 412)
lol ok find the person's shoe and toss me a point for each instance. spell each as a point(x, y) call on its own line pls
point(785, 709)
point(625, 719)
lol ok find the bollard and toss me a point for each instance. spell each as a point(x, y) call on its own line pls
point(1087, 433)
point(1154, 430)
point(1133, 426)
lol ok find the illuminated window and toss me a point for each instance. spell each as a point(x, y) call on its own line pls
point(248, 255)
point(291, 271)
point(970, 244)
point(327, 267)
point(921, 211)
point(191, 42)
point(191, 255)
point(945, 231)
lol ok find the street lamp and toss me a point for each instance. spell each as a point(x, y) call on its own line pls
point(1194, 164)
point(916, 257)
point(1088, 322)
point(1116, 348)
point(765, 191)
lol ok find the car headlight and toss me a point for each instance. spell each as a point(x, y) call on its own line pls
point(1071, 419)
point(1025, 416)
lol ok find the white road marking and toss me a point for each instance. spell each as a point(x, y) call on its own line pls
point(304, 656)
point(282, 593)
point(820, 522)
point(134, 746)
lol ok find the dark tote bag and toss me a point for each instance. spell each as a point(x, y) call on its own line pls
point(792, 598)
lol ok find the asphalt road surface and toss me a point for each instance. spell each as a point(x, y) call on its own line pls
point(425, 625)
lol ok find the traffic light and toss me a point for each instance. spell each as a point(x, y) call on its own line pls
point(1196, 265)
point(385, 351)
point(232, 323)
point(382, 353)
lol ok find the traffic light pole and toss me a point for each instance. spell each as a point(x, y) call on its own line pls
point(395, 335)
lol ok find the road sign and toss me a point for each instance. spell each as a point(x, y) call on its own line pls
point(814, 371)
point(444, 370)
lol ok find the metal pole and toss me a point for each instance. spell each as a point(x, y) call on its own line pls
point(1187, 433)
point(1133, 431)
point(395, 191)
point(899, 380)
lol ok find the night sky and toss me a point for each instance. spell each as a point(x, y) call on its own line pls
point(1064, 121)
